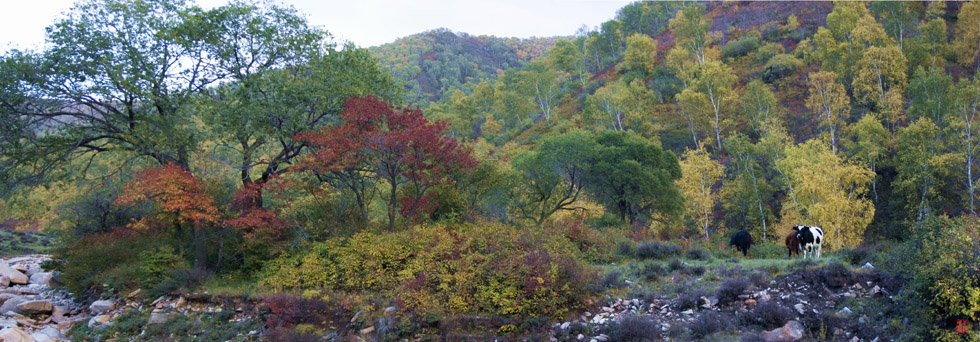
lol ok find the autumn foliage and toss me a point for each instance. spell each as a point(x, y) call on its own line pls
point(179, 195)
point(398, 146)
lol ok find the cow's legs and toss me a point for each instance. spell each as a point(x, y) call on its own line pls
point(818, 250)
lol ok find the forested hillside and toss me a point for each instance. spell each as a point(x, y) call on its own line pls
point(446, 186)
point(431, 63)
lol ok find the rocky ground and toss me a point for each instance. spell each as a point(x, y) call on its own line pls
point(789, 307)
point(32, 310)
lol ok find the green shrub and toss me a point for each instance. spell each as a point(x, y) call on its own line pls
point(657, 250)
point(696, 253)
point(113, 261)
point(740, 47)
point(781, 65)
point(946, 274)
point(768, 250)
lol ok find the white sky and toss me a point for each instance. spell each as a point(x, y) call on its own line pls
point(368, 22)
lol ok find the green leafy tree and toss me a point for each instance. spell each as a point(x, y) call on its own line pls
point(710, 94)
point(895, 17)
point(758, 105)
point(922, 163)
point(966, 124)
point(692, 29)
point(850, 30)
point(750, 188)
point(115, 77)
point(967, 33)
point(930, 92)
point(869, 143)
point(288, 79)
point(551, 179)
point(634, 177)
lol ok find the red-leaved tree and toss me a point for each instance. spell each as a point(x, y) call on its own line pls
point(181, 200)
point(395, 145)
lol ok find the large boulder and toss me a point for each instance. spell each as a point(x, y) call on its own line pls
point(43, 278)
point(14, 276)
point(35, 307)
point(789, 332)
point(11, 304)
point(101, 306)
point(15, 335)
point(4, 281)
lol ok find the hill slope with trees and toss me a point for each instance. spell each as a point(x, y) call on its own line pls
point(481, 187)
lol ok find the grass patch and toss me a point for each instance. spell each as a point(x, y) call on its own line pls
point(18, 243)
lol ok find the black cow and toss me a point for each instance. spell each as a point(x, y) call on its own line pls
point(742, 241)
point(810, 238)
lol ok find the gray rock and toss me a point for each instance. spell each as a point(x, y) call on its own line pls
point(15, 276)
point(4, 297)
point(845, 311)
point(15, 335)
point(799, 308)
point(4, 281)
point(158, 318)
point(11, 304)
point(101, 306)
point(564, 326)
point(48, 334)
point(99, 320)
point(791, 331)
point(43, 278)
point(35, 307)
point(8, 323)
point(867, 266)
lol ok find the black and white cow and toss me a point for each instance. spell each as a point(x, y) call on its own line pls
point(742, 241)
point(810, 238)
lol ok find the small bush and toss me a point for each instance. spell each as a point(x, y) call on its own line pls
point(836, 275)
point(675, 265)
point(612, 279)
point(657, 250)
point(653, 271)
point(768, 250)
point(759, 278)
point(770, 315)
point(740, 47)
point(634, 329)
point(780, 66)
point(696, 253)
point(626, 249)
point(731, 288)
point(696, 271)
point(858, 255)
point(709, 323)
point(824, 322)
point(691, 299)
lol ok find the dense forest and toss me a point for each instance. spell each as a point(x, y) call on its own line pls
point(243, 152)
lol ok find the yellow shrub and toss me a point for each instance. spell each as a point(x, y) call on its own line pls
point(451, 269)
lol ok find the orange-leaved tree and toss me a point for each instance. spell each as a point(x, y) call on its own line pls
point(180, 201)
